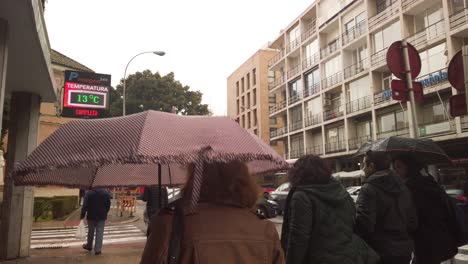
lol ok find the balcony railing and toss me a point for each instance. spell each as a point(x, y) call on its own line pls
point(402, 132)
point(310, 61)
point(277, 107)
point(276, 58)
point(355, 32)
point(317, 150)
point(356, 68)
point(436, 128)
point(294, 98)
point(276, 82)
point(335, 146)
point(296, 153)
point(314, 119)
point(332, 80)
point(434, 78)
point(406, 4)
point(311, 29)
point(459, 19)
point(382, 97)
point(355, 143)
point(421, 38)
point(379, 57)
point(295, 126)
point(358, 104)
point(381, 17)
point(312, 89)
point(294, 71)
point(278, 132)
point(330, 48)
point(293, 45)
point(331, 114)
point(464, 122)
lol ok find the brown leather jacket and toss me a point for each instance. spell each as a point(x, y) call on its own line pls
point(216, 234)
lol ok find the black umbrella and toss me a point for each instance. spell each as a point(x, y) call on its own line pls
point(425, 151)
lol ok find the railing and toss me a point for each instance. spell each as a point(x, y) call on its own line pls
point(276, 82)
point(437, 127)
point(314, 119)
point(379, 57)
point(355, 32)
point(464, 122)
point(295, 126)
point(403, 132)
point(276, 58)
point(434, 78)
point(405, 4)
point(311, 90)
point(311, 29)
point(355, 143)
point(356, 68)
point(331, 114)
point(382, 97)
point(332, 80)
point(333, 46)
point(311, 61)
point(317, 150)
point(294, 98)
point(277, 107)
point(459, 19)
point(278, 132)
point(296, 153)
point(420, 38)
point(294, 71)
point(293, 45)
point(335, 146)
point(358, 104)
point(388, 12)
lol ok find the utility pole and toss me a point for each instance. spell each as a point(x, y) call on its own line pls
point(409, 83)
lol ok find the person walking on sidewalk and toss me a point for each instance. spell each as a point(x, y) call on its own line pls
point(385, 211)
point(96, 205)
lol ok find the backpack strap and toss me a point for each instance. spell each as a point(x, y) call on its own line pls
point(177, 232)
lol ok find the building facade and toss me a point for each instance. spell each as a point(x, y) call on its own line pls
point(331, 85)
point(247, 96)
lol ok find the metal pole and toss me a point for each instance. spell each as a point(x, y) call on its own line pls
point(409, 83)
point(159, 182)
point(465, 71)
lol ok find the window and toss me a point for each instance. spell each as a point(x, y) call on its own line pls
point(458, 5)
point(336, 134)
point(293, 36)
point(359, 55)
point(364, 129)
point(311, 49)
point(386, 81)
point(248, 81)
point(255, 117)
point(272, 99)
point(336, 101)
point(237, 88)
point(273, 121)
point(243, 104)
point(313, 107)
point(333, 66)
point(433, 59)
point(248, 101)
point(392, 121)
point(238, 106)
point(383, 4)
point(297, 144)
point(385, 37)
point(434, 113)
point(243, 121)
point(254, 76)
point(312, 81)
point(254, 97)
point(271, 76)
point(295, 89)
point(296, 114)
point(358, 89)
point(248, 120)
point(242, 85)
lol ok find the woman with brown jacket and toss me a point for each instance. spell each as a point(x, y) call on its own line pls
point(224, 228)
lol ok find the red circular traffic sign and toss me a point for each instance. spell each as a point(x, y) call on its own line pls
point(455, 72)
point(395, 60)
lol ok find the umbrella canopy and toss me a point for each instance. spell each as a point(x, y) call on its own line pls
point(425, 151)
point(126, 151)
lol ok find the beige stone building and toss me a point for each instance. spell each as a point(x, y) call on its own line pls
point(247, 96)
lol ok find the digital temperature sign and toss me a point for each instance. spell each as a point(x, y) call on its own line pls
point(86, 95)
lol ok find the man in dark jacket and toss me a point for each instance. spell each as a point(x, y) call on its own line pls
point(95, 207)
point(385, 211)
point(434, 239)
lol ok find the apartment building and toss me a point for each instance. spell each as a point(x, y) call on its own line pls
point(331, 86)
point(247, 96)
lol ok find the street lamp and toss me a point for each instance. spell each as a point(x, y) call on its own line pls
point(159, 53)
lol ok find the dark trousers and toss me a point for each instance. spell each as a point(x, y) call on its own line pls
point(395, 260)
point(98, 228)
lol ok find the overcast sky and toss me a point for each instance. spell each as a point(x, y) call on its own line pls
point(204, 40)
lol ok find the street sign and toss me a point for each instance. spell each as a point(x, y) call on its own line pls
point(400, 91)
point(418, 92)
point(395, 60)
point(458, 105)
point(86, 94)
point(455, 72)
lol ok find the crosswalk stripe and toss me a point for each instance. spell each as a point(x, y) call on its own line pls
point(105, 242)
point(73, 231)
point(73, 234)
point(76, 239)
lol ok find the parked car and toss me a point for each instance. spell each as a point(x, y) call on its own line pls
point(279, 196)
point(354, 191)
point(267, 208)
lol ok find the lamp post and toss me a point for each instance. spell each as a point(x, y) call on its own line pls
point(159, 53)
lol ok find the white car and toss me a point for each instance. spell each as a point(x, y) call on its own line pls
point(354, 191)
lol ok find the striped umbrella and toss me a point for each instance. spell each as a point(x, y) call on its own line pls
point(134, 150)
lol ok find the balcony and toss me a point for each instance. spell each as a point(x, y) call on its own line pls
point(356, 68)
point(355, 143)
point(278, 132)
point(296, 153)
point(382, 97)
point(313, 120)
point(276, 58)
point(388, 12)
point(310, 61)
point(315, 150)
point(335, 146)
point(311, 90)
point(406, 4)
point(355, 32)
point(434, 78)
point(295, 126)
point(311, 29)
point(332, 80)
point(277, 107)
point(464, 123)
point(293, 45)
point(379, 57)
point(437, 128)
point(332, 114)
point(276, 82)
point(358, 104)
point(401, 132)
point(459, 19)
point(332, 46)
point(295, 70)
point(294, 98)
point(422, 37)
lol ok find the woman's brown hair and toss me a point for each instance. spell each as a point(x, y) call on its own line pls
point(309, 169)
point(225, 183)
